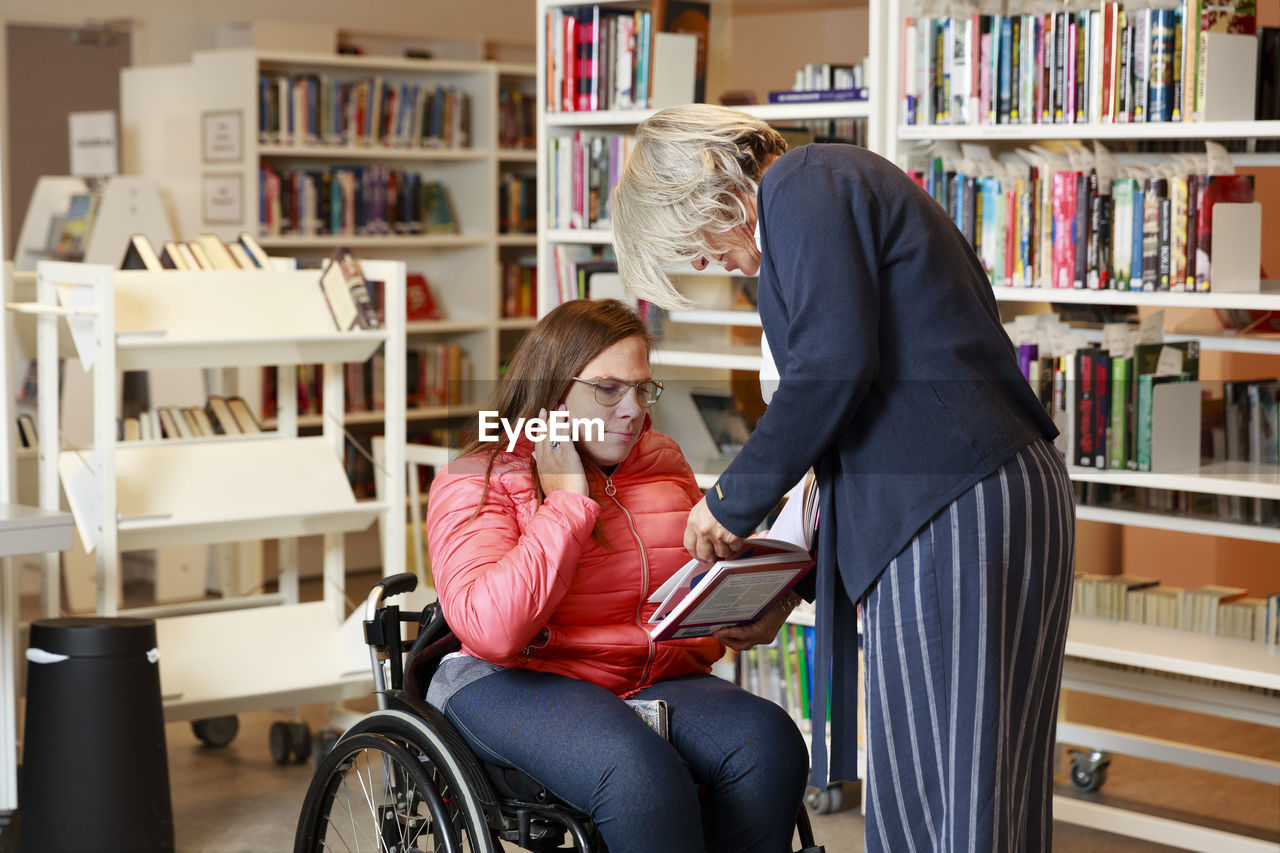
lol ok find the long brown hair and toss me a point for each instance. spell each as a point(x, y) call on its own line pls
point(543, 366)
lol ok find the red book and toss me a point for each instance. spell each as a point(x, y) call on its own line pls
point(1219, 188)
point(1010, 235)
point(1064, 218)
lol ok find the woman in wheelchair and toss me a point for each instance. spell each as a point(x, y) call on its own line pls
point(544, 557)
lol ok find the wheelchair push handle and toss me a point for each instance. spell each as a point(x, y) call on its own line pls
point(387, 587)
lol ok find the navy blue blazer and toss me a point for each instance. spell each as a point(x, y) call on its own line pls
point(897, 381)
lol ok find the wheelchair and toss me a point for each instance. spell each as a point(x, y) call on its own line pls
point(402, 779)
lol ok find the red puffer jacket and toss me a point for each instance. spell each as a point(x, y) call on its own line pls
point(528, 585)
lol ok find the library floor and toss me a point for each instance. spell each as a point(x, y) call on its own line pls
point(236, 800)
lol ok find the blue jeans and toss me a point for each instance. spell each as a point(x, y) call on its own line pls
point(591, 750)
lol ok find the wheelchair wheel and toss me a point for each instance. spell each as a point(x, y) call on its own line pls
point(371, 793)
point(384, 786)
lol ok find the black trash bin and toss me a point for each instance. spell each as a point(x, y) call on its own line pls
point(95, 775)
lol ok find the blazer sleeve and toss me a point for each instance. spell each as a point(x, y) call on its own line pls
point(821, 245)
point(499, 584)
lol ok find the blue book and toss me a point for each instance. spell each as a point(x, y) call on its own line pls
point(1135, 276)
point(1006, 70)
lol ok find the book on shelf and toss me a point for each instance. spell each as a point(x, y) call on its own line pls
point(243, 415)
point(217, 252)
point(27, 431)
point(420, 302)
point(171, 258)
point(199, 256)
point(344, 287)
point(437, 209)
point(73, 235)
point(220, 416)
point(140, 255)
point(254, 250)
point(703, 597)
point(242, 259)
point(813, 96)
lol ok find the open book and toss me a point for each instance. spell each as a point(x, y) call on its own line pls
point(702, 597)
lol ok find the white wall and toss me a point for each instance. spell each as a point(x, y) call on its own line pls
point(169, 30)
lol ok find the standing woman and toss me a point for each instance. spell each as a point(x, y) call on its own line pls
point(945, 510)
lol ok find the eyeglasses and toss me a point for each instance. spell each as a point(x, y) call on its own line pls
point(611, 392)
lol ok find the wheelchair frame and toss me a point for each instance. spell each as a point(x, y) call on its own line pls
point(417, 776)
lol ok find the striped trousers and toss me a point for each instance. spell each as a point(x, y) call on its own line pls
point(963, 637)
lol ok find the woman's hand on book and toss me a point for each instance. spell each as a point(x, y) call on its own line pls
point(707, 539)
point(559, 466)
point(758, 633)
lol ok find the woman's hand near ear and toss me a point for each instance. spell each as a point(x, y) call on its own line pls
point(559, 465)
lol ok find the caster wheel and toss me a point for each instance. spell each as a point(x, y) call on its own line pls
point(824, 800)
point(323, 743)
point(216, 731)
point(1089, 770)
point(1087, 781)
point(290, 743)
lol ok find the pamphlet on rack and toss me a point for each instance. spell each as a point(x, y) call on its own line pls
point(704, 597)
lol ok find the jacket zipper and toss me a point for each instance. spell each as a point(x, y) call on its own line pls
point(644, 572)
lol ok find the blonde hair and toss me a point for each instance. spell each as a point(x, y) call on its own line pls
point(689, 174)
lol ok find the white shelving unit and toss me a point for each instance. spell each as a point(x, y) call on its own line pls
point(1094, 647)
point(462, 269)
point(695, 347)
point(279, 485)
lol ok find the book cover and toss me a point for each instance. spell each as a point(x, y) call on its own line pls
point(243, 415)
point(141, 255)
point(702, 598)
point(76, 226)
point(1064, 219)
point(1160, 82)
point(1156, 190)
point(1085, 414)
point(1121, 411)
point(1101, 408)
point(1224, 188)
point(1142, 413)
point(1122, 233)
point(220, 416)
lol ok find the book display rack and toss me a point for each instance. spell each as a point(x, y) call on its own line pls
point(224, 488)
point(1217, 675)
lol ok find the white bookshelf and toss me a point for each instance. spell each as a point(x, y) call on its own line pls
point(272, 485)
point(1096, 647)
point(694, 346)
point(462, 269)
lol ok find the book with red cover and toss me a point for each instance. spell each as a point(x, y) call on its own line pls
point(1217, 188)
point(702, 598)
point(1064, 218)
